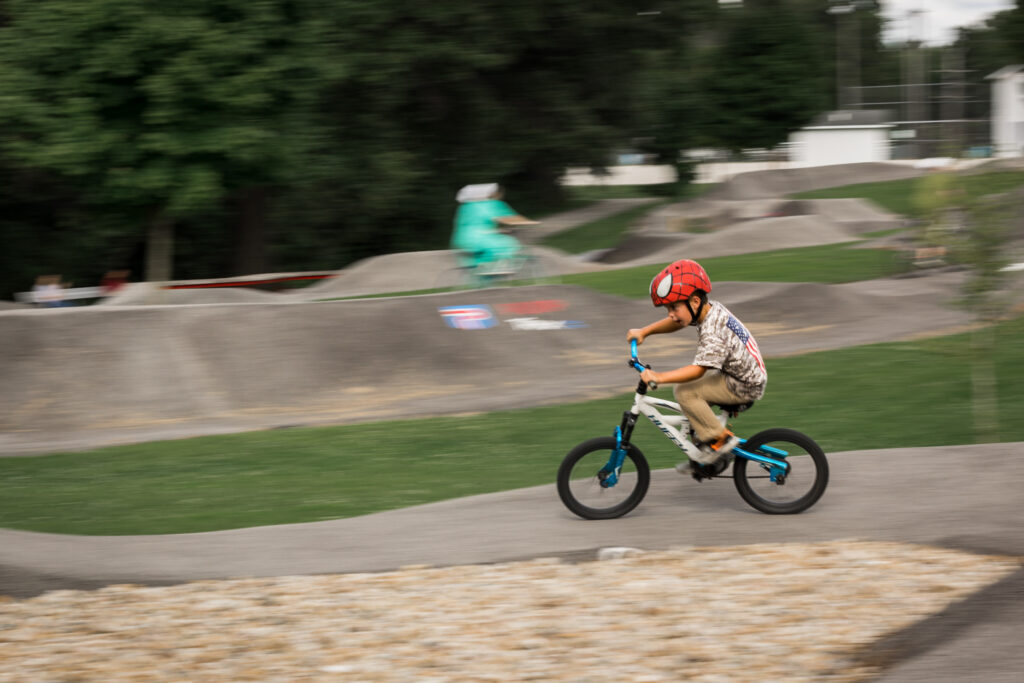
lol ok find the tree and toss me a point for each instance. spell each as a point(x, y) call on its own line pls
point(159, 112)
point(991, 221)
point(670, 108)
point(766, 82)
point(432, 96)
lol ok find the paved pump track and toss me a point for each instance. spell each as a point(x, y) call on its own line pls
point(194, 364)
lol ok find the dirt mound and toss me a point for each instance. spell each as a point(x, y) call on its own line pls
point(752, 236)
point(105, 369)
point(797, 303)
point(858, 216)
point(709, 214)
point(418, 270)
point(783, 182)
point(643, 246)
point(567, 220)
point(105, 374)
point(151, 294)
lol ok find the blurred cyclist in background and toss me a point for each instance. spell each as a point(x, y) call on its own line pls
point(479, 223)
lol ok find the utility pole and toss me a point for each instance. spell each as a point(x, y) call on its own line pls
point(953, 99)
point(838, 9)
point(914, 88)
point(848, 90)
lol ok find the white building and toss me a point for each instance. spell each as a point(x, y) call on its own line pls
point(1008, 111)
point(842, 137)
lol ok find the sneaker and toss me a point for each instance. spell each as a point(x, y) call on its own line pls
point(721, 448)
point(699, 471)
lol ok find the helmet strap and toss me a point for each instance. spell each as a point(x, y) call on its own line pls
point(695, 317)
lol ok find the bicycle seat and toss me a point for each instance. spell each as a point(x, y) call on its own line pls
point(734, 409)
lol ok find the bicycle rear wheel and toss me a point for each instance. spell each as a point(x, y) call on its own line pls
point(585, 482)
point(533, 271)
point(798, 489)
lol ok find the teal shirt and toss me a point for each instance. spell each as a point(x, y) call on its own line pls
point(476, 223)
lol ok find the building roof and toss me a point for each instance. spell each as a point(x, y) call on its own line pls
point(1006, 71)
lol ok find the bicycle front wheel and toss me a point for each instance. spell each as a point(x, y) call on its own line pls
point(588, 486)
point(795, 491)
point(454, 277)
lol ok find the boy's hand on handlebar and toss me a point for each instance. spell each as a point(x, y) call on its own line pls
point(637, 334)
point(650, 376)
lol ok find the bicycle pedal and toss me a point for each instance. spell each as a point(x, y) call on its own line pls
point(701, 471)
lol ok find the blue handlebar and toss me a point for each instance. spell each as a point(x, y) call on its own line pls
point(633, 360)
point(635, 363)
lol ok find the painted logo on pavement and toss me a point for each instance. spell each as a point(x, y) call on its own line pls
point(538, 324)
point(468, 317)
point(481, 317)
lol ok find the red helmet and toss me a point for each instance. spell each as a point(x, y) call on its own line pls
point(678, 281)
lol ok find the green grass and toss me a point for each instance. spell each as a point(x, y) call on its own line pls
point(896, 196)
point(885, 395)
point(577, 197)
point(830, 264)
point(899, 196)
point(600, 234)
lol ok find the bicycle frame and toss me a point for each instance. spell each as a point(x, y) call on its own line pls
point(492, 273)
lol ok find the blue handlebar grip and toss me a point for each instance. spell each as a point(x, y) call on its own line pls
point(636, 363)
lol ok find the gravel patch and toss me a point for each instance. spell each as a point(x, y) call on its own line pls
point(794, 612)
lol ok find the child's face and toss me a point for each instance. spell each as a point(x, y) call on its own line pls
point(678, 313)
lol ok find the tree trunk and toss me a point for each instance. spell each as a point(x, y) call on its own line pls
point(984, 388)
point(159, 248)
point(250, 239)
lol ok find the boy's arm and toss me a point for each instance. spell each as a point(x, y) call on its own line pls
point(662, 326)
point(687, 374)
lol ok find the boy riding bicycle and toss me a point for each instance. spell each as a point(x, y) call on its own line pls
point(727, 368)
point(478, 229)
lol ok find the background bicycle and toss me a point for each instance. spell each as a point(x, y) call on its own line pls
point(526, 267)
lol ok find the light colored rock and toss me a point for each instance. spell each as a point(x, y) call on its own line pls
point(617, 553)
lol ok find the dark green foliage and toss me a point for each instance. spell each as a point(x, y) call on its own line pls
point(324, 131)
point(298, 134)
point(146, 112)
point(765, 83)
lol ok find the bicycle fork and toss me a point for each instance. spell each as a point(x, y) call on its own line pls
point(609, 474)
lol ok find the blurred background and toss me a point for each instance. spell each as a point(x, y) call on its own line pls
point(223, 137)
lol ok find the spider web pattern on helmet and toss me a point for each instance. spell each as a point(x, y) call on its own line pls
point(678, 281)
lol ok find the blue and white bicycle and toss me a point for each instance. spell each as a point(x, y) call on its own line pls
point(778, 471)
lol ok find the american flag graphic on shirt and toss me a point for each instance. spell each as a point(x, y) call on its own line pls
point(725, 344)
point(748, 341)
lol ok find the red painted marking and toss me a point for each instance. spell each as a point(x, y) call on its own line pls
point(532, 307)
point(249, 283)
